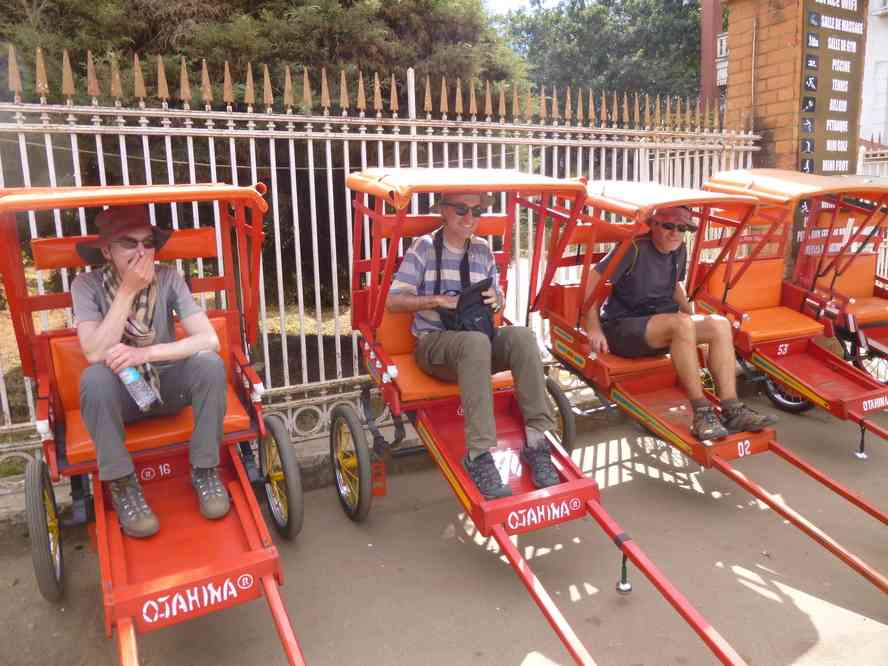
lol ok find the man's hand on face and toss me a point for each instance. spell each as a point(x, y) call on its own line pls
point(122, 356)
point(139, 274)
point(597, 342)
point(447, 302)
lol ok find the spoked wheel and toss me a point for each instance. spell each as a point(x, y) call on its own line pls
point(350, 457)
point(281, 478)
point(45, 531)
point(565, 423)
point(785, 398)
point(875, 364)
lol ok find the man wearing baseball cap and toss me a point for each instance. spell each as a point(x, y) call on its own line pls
point(124, 312)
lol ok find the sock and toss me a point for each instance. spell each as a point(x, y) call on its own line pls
point(700, 403)
point(730, 405)
point(472, 454)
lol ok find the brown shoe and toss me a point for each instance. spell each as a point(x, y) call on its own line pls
point(211, 494)
point(740, 418)
point(135, 516)
point(706, 424)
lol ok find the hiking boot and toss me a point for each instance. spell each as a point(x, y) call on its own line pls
point(486, 476)
point(539, 459)
point(211, 494)
point(740, 418)
point(706, 424)
point(135, 516)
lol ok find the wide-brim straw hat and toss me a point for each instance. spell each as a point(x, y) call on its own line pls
point(486, 200)
point(115, 222)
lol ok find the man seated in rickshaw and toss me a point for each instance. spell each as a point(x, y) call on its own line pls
point(648, 313)
point(124, 317)
point(428, 283)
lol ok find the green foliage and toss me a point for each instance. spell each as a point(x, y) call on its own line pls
point(651, 46)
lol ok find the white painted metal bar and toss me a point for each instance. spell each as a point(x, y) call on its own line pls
point(278, 261)
point(297, 243)
point(263, 327)
point(319, 318)
point(334, 277)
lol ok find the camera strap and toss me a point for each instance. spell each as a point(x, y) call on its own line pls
point(438, 243)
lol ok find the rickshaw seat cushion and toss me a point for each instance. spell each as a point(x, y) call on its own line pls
point(414, 384)
point(868, 310)
point(777, 323)
point(758, 288)
point(394, 333)
point(151, 432)
point(620, 365)
point(857, 281)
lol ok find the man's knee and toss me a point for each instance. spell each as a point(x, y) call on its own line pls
point(721, 328)
point(97, 383)
point(474, 346)
point(521, 339)
point(206, 368)
point(681, 327)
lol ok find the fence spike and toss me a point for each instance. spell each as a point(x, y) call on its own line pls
point(249, 89)
point(528, 106)
point(698, 116)
point(568, 109)
point(580, 117)
point(516, 107)
point(636, 111)
point(502, 99)
point(68, 89)
point(473, 103)
point(325, 91)
point(184, 82)
point(708, 121)
point(163, 91)
point(488, 101)
point(288, 88)
point(687, 116)
point(306, 91)
point(427, 98)
point(543, 104)
point(393, 96)
point(92, 83)
point(206, 88)
point(227, 87)
point(267, 94)
point(615, 110)
point(668, 119)
point(657, 118)
point(41, 83)
point(602, 110)
point(116, 87)
point(362, 96)
point(344, 102)
point(15, 77)
point(626, 119)
point(555, 115)
point(443, 102)
point(591, 114)
point(647, 111)
point(139, 91)
point(678, 113)
point(377, 93)
point(458, 105)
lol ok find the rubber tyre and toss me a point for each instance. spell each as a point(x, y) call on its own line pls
point(281, 478)
point(45, 532)
point(783, 400)
point(565, 421)
point(875, 366)
point(350, 460)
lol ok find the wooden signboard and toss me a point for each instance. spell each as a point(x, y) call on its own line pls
point(833, 37)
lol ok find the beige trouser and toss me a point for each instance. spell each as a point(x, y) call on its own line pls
point(470, 358)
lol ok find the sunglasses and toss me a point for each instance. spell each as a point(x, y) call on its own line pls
point(672, 226)
point(132, 243)
point(461, 209)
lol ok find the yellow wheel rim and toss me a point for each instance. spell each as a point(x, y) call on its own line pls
point(347, 478)
point(275, 485)
point(53, 530)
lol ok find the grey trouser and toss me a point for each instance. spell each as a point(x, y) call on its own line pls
point(106, 406)
point(470, 358)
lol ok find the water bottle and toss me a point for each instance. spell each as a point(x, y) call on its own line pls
point(141, 391)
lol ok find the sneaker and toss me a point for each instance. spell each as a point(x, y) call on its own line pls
point(706, 424)
point(211, 493)
point(486, 476)
point(740, 418)
point(135, 516)
point(539, 459)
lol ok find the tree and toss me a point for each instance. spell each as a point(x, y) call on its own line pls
point(650, 46)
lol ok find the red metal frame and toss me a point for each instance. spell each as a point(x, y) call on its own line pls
point(439, 423)
point(215, 564)
point(651, 393)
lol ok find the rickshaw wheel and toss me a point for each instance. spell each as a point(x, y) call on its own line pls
point(44, 528)
point(784, 398)
point(350, 458)
point(874, 364)
point(565, 422)
point(281, 478)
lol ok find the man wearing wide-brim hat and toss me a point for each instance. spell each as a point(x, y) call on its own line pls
point(124, 315)
point(434, 270)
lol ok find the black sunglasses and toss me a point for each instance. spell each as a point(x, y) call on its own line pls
point(462, 209)
point(672, 226)
point(128, 243)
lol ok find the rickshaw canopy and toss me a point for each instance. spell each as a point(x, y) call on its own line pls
point(640, 200)
point(782, 187)
point(397, 186)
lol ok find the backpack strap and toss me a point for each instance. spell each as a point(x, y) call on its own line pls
point(438, 242)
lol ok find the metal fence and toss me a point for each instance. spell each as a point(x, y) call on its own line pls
point(308, 354)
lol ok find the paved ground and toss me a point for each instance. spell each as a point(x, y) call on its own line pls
point(415, 585)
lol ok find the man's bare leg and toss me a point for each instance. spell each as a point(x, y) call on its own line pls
point(678, 333)
point(715, 331)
